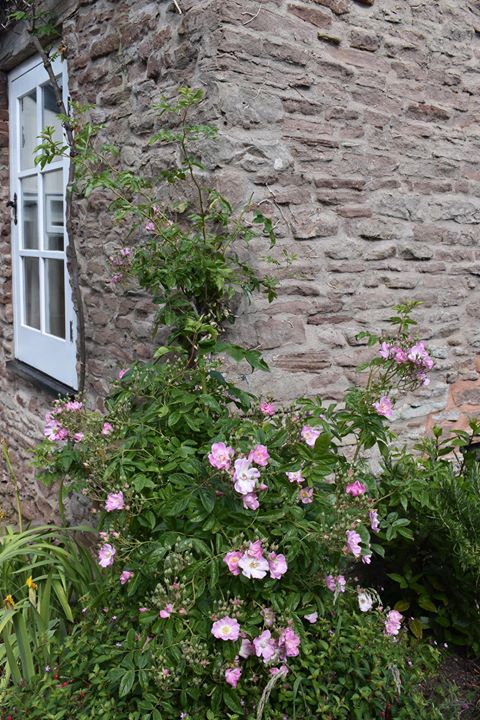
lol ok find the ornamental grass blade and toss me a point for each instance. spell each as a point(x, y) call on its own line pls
point(62, 599)
point(11, 660)
point(24, 649)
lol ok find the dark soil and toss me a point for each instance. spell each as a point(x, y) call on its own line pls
point(458, 680)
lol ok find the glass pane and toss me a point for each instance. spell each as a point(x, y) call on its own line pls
point(28, 129)
point(50, 110)
point(54, 210)
point(55, 298)
point(31, 292)
point(30, 213)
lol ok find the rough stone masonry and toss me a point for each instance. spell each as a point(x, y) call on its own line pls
point(354, 123)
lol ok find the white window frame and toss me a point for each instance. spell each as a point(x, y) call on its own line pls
point(52, 355)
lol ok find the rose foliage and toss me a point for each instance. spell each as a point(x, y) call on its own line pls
point(233, 534)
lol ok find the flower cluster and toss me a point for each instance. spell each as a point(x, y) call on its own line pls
point(393, 622)
point(336, 584)
point(66, 418)
point(54, 429)
point(271, 648)
point(305, 495)
point(414, 362)
point(416, 356)
point(252, 563)
point(245, 476)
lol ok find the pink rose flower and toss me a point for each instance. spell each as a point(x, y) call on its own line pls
point(265, 646)
point(220, 456)
point(255, 550)
point(288, 643)
point(341, 583)
point(355, 489)
point(126, 576)
point(166, 611)
point(422, 378)
point(226, 629)
point(232, 676)
point(73, 405)
point(245, 477)
point(353, 543)
point(393, 622)
point(275, 670)
point(399, 355)
point(330, 583)
point(310, 434)
point(384, 406)
point(295, 476)
point(232, 559)
point(374, 524)
point(259, 455)
point(335, 584)
point(417, 352)
point(277, 565)
point(306, 495)
point(253, 568)
point(106, 555)
point(267, 409)
point(250, 501)
point(246, 649)
point(114, 501)
point(107, 428)
point(384, 351)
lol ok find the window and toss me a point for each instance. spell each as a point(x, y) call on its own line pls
point(44, 317)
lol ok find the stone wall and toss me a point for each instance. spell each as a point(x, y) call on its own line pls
point(355, 124)
point(359, 122)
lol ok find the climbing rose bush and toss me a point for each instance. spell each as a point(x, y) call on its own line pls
point(233, 533)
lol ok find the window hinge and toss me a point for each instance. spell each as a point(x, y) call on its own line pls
point(71, 330)
point(13, 204)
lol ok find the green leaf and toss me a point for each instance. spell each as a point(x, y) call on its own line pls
point(126, 683)
point(427, 604)
point(416, 628)
point(207, 498)
point(12, 663)
point(24, 649)
point(62, 598)
point(230, 698)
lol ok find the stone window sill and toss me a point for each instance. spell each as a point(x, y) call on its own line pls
point(39, 379)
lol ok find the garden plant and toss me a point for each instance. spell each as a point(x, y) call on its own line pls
point(235, 535)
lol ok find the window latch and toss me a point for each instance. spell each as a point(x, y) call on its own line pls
point(13, 204)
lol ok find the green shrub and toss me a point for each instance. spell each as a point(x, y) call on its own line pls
point(436, 571)
point(231, 534)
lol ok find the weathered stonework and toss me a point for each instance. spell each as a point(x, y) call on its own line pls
point(355, 124)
